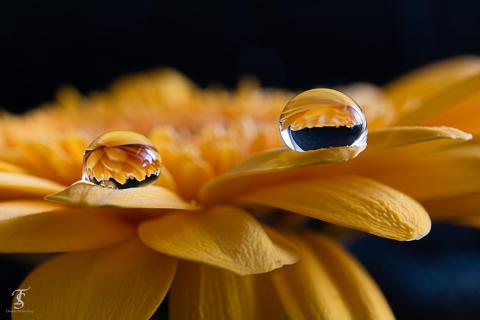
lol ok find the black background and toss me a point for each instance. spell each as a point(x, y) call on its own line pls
point(285, 43)
point(295, 44)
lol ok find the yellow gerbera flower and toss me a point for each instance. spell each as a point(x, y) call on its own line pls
point(216, 231)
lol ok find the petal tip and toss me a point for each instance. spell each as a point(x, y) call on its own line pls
point(420, 227)
point(457, 134)
point(423, 234)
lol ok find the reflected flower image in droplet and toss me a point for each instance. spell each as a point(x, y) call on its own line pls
point(121, 160)
point(322, 118)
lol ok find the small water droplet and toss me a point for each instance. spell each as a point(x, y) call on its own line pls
point(322, 118)
point(121, 160)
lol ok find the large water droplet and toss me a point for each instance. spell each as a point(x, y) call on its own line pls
point(121, 160)
point(322, 118)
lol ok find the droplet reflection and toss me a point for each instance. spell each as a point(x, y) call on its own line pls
point(121, 160)
point(322, 118)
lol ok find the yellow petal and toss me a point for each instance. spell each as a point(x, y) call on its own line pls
point(18, 185)
point(358, 290)
point(39, 226)
point(127, 281)
point(461, 97)
point(268, 162)
point(271, 167)
point(49, 160)
point(225, 237)
point(307, 289)
point(202, 292)
point(349, 201)
point(399, 147)
point(268, 303)
point(461, 113)
point(402, 136)
point(8, 167)
point(434, 175)
point(151, 197)
point(282, 159)
point(411, 90)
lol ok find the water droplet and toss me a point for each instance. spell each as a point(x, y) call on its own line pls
point(121, 160)
point(322, 118)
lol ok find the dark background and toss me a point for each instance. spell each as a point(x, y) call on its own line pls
point(289, 43)
point(294, 44)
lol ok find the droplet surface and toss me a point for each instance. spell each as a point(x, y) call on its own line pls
point(322, 118)
point(121, 160)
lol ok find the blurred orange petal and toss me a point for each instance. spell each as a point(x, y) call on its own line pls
point(19, 185)
point(410, 92)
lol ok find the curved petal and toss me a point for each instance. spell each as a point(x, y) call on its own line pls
point(307, 290)
point(270, 162)
point(268, 303)
point(358, 290)
point(19, 185)
point(349, 201)
point(313, 288)
point(402, 136)
point(283, 159)
point(8, 167)
point(151, 197)
point(411, 90)
point(225, 237)
point(39, 226)
point(462, 113)
point(127, 281)
point(461, 97)
point(444, 173)
point(203, 292)
point(265, 169)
